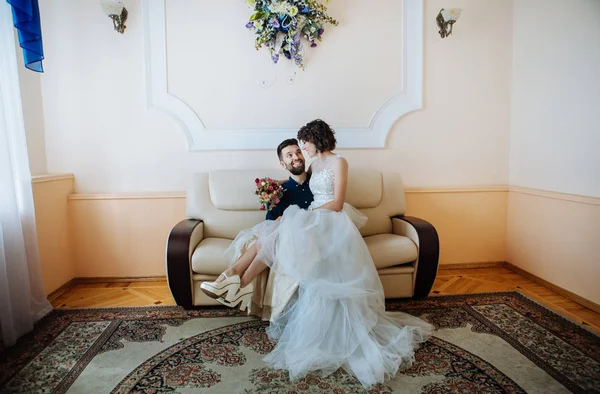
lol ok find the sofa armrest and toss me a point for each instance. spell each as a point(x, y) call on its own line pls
point(424, 235)
point(183, 240)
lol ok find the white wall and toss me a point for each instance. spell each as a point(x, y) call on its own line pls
point(98, 127)
point(220, 79)
point(555, 137)
point(33, 114)
point(555, 132)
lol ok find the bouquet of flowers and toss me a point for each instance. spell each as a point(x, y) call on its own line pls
point(269, 193)
point(280, 24)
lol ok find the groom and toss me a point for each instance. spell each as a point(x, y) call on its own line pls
point(296, 190)
point(271, 292)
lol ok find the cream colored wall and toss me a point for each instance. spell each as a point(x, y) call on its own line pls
point(555, 131)
point(554, 144)
point(98, 126)
point(50, 195)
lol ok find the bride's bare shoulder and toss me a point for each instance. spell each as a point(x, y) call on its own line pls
point(340, 162)
point(339, 166)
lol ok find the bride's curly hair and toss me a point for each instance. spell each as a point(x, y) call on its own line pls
point(319, 133)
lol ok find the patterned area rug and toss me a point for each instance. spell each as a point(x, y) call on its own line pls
point(483, 343)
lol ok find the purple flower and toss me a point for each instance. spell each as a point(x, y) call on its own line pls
point(249, 25)
point(321, 31)
point(275, 23)
point(313, 45)
point(275, 58)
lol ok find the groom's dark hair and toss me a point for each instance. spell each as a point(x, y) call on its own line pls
point(285, 144)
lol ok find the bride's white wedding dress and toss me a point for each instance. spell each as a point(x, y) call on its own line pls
point(338, 318)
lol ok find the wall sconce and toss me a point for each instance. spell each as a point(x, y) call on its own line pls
point(117, 12)
point(445, 19)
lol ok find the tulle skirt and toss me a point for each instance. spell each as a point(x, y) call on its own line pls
point(338, 319)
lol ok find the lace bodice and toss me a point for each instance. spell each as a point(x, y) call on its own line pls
point(321, 185)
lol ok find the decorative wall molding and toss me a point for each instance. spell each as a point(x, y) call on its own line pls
point(174, 195)
point(482, 189)
point(590, 200)
point(201, 138)
point(129, 196)
point(51, 178)
point(458, 190)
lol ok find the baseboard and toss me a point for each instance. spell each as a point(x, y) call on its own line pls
point(112, 279)
point(459, 266)
point(61, 290)
point(557, 289)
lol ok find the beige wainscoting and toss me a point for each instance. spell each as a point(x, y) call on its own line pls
point(471, 223)
point(50, 195)
point(556, 237)
point(122, 235)
point(125, 234)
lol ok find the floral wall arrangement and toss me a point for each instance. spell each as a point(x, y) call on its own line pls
point(280, 26)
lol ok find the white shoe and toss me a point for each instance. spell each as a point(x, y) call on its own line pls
point(243, 298)
point(230, 285)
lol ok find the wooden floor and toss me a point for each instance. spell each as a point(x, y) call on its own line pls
point(455, 281)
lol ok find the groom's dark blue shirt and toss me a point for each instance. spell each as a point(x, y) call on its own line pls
point(294, 194)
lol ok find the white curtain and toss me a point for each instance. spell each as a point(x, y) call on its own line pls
point(22, 297)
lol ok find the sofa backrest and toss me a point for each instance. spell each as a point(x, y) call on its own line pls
point(226, 202)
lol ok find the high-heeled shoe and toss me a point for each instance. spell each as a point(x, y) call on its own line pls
point(243, 298)
point(230, 285)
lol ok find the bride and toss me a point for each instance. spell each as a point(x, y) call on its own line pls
point(337, 318)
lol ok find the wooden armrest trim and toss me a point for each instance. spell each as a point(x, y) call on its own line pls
point(429, 254)
point(178, 262)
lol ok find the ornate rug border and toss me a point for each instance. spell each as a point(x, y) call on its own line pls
point(411, 304)
point(553, 321)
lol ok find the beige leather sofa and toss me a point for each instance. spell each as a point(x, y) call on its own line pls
point(221, 203)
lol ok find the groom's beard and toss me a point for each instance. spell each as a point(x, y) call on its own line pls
point(295, 170)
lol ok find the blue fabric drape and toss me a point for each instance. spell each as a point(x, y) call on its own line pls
point(26, 17)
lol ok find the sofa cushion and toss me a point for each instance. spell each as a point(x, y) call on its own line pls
point(233, 190)
point(208, 258)
point(225, 201)
point(389, 250)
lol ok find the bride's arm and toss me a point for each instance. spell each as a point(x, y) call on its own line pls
point(340, 169)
